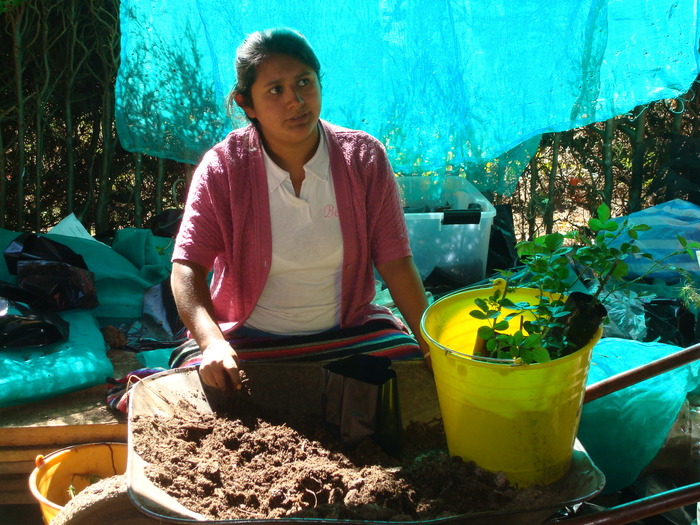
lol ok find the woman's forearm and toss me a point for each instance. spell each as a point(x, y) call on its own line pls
point(193, 300)
point(407, 291)
point(219, 365)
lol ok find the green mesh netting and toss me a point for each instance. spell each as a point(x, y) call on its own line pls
point(444, 82)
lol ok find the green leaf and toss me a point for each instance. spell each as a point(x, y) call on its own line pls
point(477, 314)
point(500, 326)
point(518, 338)
point(530, 341)
point(633, 234)
point(507, 303)
point(491, 346)
point(611, 226)
point(560, 313)
point(688, 247)
point(525, 248)
point(563, 272)
point(522, 305)
point(493, 314)
point(481, 304)
point(603, 212)
point(621, 270)
point(541, 355)
point(595, 224)
point(485, 332)
point(554, 241)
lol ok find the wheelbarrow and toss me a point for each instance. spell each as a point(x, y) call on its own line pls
point(156, 394)
point(300, 385)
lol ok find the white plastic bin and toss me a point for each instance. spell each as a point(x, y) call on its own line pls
point(449, 225)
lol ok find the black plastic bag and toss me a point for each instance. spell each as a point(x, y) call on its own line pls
point(58, 285)
point(51, 272)
point(669, 321)
point(166, 223)
point(36, 247)
point(360, 399)
point(21, 326)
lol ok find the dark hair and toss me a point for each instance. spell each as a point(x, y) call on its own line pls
point(259, 46)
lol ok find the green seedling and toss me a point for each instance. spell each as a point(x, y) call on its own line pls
point(556, 265)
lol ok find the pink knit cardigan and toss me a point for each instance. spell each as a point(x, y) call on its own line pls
point(226, 224)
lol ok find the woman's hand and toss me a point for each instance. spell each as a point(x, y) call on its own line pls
point(219, 367)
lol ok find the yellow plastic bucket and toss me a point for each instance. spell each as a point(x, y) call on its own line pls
point(63, 473)
point(518, 419)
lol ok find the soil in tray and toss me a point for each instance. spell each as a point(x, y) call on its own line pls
point(250, 463)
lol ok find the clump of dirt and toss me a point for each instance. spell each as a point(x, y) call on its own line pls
point(249, 463)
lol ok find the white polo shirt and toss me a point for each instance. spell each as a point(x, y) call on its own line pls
point(302, 293)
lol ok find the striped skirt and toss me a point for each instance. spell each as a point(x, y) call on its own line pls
point(376, 338)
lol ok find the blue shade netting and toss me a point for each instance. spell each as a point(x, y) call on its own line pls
point(445, 83)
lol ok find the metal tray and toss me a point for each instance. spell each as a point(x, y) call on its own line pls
point(297, 388)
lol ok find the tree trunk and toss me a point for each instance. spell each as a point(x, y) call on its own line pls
point(17, 19)
point(549, 210)
point(73, 66)
point(86, 214)
point(70, 149)
point(104, 192)
point(138, 183)
point(638, 155)
point(159, 186)
point(608, 137)
point(39, 162)
point(3, 182)
point(532, 205)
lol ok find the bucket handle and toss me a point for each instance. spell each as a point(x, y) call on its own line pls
point(482, 359)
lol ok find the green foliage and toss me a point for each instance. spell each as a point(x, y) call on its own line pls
point(6, 5)
point(555, 264)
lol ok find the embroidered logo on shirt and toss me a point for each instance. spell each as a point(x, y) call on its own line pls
point(330, 211)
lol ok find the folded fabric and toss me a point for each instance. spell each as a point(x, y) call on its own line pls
point(118, 393)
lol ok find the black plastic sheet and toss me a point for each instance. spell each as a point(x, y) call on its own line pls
point(50, 274)
point(21, 326)
point(37, 247)
point(360, 400)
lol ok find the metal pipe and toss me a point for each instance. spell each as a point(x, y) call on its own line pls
point(641, 373)
point(640, 509)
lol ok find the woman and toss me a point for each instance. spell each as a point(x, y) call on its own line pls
point(291, 213)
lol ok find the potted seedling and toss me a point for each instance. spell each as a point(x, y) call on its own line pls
point(511, 360)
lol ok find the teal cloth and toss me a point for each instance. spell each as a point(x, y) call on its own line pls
point(120, 284)
point(623, 431)
point(445, 82)
point(158, 358)
point(32, 374)
point(122, 275)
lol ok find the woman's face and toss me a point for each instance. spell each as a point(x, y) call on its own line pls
point(286, 101)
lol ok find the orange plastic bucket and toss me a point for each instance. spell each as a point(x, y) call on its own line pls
point(517, 419)
point(64, 473)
